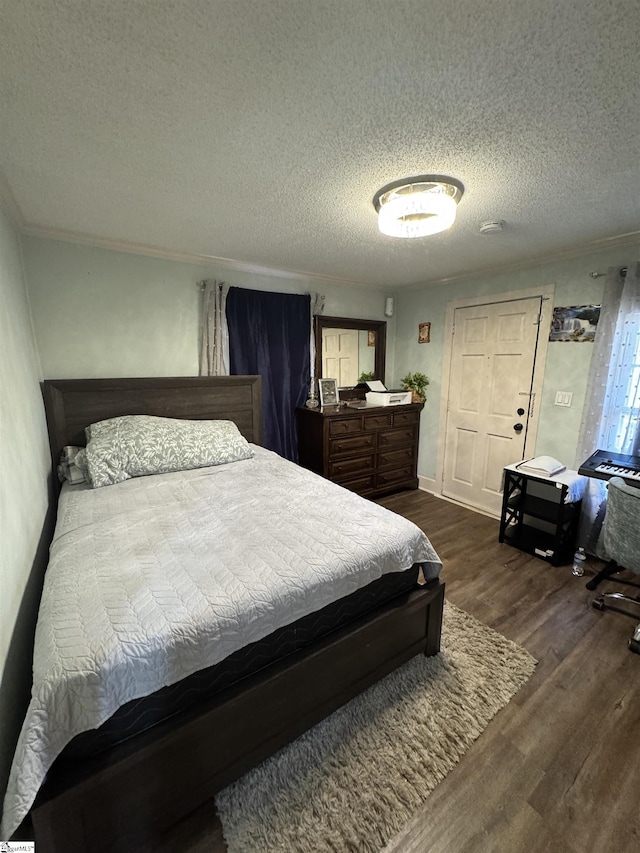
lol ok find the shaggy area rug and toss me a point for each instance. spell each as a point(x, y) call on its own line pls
point(351, 782)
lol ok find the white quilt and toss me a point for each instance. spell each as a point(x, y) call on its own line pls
point(152, 579)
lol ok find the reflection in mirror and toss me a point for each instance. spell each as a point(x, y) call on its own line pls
point(350, 350)
point(366, 354)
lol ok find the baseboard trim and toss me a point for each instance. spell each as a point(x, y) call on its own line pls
point(427, 484)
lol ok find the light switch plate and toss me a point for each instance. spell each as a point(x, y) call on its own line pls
point(564, 398)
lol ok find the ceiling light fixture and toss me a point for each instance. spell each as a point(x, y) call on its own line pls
point(418, 207)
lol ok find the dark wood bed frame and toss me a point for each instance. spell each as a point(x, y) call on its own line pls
point(128, 798)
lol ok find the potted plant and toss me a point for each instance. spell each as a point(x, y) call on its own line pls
point(417, 384)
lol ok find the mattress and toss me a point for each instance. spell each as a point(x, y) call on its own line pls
point(156, 578)
point(141, 714)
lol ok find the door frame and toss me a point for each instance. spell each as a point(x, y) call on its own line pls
point(546, 293)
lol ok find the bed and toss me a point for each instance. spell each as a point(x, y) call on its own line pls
point(330, 603)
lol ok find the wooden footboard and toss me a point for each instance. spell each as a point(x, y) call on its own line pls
point(127, 799)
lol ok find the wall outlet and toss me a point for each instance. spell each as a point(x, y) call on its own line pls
point(564, 398)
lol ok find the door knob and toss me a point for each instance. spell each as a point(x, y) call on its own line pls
point(518, 427)
point(520, 412)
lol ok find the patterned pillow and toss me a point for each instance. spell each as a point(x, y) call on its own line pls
point(136, 445)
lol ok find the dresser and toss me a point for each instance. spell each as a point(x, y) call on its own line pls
point(371, 451)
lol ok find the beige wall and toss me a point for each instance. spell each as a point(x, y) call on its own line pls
point(23, 491)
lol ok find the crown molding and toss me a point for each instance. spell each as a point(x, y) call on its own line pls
point(9, 204)
point(591, 248)
point(51, 233)
point(48, 232)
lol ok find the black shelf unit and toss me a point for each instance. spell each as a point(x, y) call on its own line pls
point(536, 517)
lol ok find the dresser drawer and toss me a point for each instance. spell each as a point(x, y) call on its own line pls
point(397, 457)
point(401, 418)
point(378, 421)
point(345, 426)
point(361, 485)
point(391, 437)
point(395, 475)
point(351, 466)
point(351, 444)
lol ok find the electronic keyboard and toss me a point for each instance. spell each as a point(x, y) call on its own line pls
point(604, 464)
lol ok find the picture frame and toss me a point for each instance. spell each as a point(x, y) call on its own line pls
point(575, 323)
point(424, 333)
point(371, 338)
point(328, 391)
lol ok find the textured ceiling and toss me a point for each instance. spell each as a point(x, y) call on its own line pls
point(259, 130)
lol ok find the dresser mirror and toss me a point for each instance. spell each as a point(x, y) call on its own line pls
point(347, 349)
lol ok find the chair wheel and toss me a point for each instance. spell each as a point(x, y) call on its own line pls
point(598, 603)
point(634, 646)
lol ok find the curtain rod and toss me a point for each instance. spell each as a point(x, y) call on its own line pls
point(201, 285)
point(623, 273)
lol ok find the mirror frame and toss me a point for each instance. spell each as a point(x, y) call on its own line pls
point(378, 326)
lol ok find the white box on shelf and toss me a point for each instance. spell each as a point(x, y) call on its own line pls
point(388, 398)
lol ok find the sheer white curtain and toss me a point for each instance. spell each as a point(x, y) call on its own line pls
point(214, 344)
point(611, 415)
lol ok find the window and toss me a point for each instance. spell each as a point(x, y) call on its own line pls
point(621, 420)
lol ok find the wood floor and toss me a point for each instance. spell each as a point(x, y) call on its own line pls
point(558, 770)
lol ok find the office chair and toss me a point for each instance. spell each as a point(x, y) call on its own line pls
point(621, 532)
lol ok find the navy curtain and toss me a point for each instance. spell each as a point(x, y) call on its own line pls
point(269, 334)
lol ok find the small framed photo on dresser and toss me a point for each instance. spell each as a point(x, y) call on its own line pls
point(328, 392)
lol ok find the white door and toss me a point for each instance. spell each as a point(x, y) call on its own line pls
point(340, 356)
point(491, 379)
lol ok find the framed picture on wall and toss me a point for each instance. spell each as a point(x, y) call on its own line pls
point(577, 323)
point(424, 333)
point(328, 392)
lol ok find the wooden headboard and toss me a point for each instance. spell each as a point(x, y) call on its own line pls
point(73, 404)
